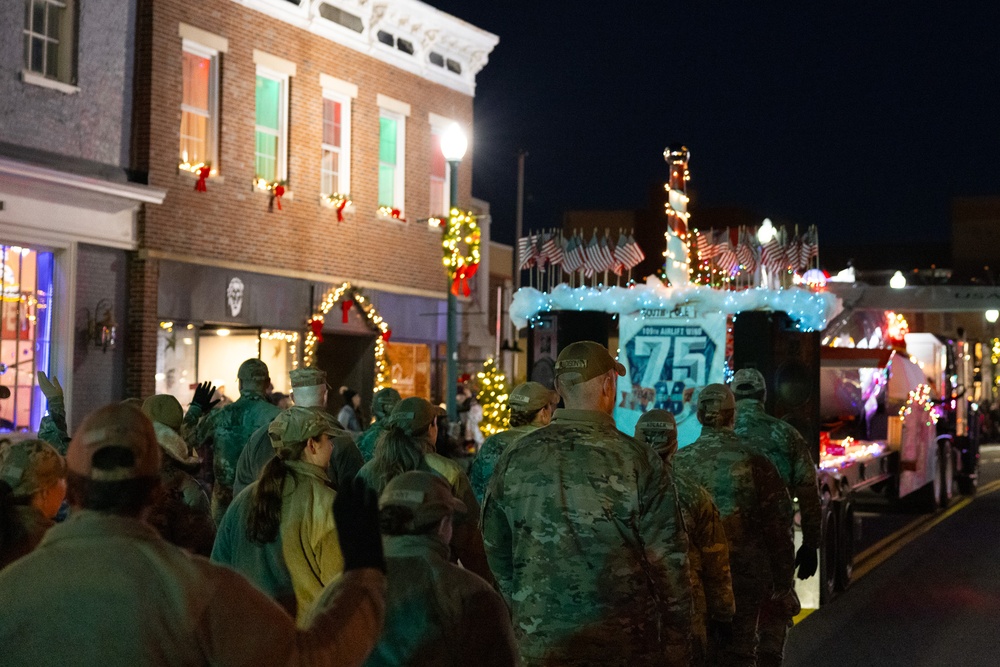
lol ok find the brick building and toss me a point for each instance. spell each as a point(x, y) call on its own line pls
point(329, 101)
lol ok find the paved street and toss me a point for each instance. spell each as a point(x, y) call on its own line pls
point(935, 602)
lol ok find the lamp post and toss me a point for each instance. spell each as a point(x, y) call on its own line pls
point(453, 146)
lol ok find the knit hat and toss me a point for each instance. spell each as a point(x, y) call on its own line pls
point(114, 427)
point(307, 377)
point(384, 401)
point(531, 396)
point(658, 429)
point(413, 414)
point(30, 466)
point(584, 361)
point(296, 425)
point(424, 494)
point(253, 369)
point(748, 382)
point(165, 409)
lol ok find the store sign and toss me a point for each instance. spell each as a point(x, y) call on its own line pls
point(234, 296)
point(667, 356)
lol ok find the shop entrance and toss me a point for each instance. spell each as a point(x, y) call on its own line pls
point(349, 360)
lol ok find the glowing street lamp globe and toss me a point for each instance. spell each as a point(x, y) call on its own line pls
point(766, 232)
point(898, 280)
point(454, 143)
point(992, 316)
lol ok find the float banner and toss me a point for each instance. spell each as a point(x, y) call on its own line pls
point(668, 355)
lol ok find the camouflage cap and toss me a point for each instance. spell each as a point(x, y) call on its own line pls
point(307, 377)
point(384, 401)
point(425, 494)
point(586, 359)
point(748, 382)
point(30, 466)
point(253, 369)
point(714, 400)
point(413, 414)
point(117, 426)
point(296, 425)
point(531, 396)
point(165, 409)
point(658, 429)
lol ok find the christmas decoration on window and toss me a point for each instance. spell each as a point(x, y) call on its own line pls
point(339, 202)
point(352, 297)
point(390, 212)
point(492, 398)
point(276, 190)
point(462, 230)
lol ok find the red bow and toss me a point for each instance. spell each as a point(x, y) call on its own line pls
point(461, 280)
point(203, 173)
point(340, 209)
point(345, 308)
point(386, 335)
point(317, 329)
point(276, 193)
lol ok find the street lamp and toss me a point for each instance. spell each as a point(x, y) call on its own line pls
point(992, 316)
point(898, 280)
point(453, 146)
point(766, 232)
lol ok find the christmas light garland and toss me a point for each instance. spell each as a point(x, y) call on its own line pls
point(462, 227)
point(492, 398)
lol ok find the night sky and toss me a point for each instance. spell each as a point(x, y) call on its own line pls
point(862, 118)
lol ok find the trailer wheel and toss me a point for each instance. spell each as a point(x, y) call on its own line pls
point(845, 545)
point(828, 550)
point(946, 470)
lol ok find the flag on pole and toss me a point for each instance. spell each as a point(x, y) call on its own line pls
point(745, 252)
point(553, 249)
point(526, 252)
point(540, 256)
point(772, 255)
point(572, 254)
point(633, 253)
point(620, 255)
point(591, 257)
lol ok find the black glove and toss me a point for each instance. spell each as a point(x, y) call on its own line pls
point(203, 397)
point(806, 561)
point(720, 633)
point(355, 509)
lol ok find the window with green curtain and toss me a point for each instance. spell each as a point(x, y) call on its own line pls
point(268, 128)
point(387, 162)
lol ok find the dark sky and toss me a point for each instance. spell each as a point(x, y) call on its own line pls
point(862, 118)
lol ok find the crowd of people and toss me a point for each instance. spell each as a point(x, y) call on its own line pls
point(248, 534)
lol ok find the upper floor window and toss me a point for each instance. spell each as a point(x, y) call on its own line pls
point(333, 125)
point(390, 159)
point(439, 177)
point(49, 36)
point(270, 153)
point(199, 107)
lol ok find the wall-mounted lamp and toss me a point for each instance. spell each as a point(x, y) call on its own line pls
point(101, 327)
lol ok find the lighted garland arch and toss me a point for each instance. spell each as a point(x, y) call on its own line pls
point(349, 296)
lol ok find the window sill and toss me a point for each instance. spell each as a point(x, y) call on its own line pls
point(45, 82)
point(287, 195)
point(194, 177)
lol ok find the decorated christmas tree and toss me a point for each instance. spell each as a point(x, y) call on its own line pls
point(492, 398)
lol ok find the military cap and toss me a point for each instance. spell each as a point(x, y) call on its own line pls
point(588, 359)
point(384, 401)
point(118, 426)
point(296, 425)
point(425, 494)
point(165, 409)
point(253, 369)
point(307, 377)
point(656, 422)
point(413, 414)
point(748, 382)
point(30, 466)
point(531, 396)
point(715, 399)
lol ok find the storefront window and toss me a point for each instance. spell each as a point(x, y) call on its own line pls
point(176, 357)
point(25, 329)
point(280, 351)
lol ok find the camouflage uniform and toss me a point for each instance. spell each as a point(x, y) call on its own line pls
point(783, 446)
point(584, 535)
point(489, 453)
point(756, 515)
point(383, 402)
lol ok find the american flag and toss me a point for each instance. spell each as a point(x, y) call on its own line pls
point(726, 258)
point(633, 253)
point(607, 255)
point(746, 252)
point(618, 265)
point(540, 256)
point(526, 252)
point(573, 254)
point(591, 257)
point(553, 249)
point(772, 255)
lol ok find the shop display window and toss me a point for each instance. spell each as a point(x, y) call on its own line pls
point(176, 360)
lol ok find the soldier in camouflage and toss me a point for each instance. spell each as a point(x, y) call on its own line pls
point(711, 582)
point(383, 402)
point(756, 513)
point(531, 407)
point(584, 535)
point(228, 429)
point(787, 450)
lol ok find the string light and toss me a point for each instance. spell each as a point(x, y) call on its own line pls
point(462, 228)
point(920, 398)
point(492, 397)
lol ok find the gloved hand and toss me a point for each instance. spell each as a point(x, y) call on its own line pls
point(806, 560)
point(720, 633)
point(355, 510)
point(203, 397)
point(51, 388)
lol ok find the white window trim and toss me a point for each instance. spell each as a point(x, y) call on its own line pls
point(35, 79)
point(281, 172)
point(338, 86)
point(284, 67)
point(389, 104)
point(344, 172)
point(399, 186)
point(212, 54)
point(199, 36)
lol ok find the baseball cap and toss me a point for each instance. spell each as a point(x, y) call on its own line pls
point(655, 423)
point(114, 427)
point(253, 369)
point(748, 382)
point(307, 377)
point(425, 494)
point(716, 398)
point(165, 409)
point(531, 396)
point(588, 359)
point(413, 414)
point(297, 424)
point(30, 466)
point(384, 401)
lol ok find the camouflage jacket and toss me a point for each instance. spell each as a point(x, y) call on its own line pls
point(52, 428)
point(584, 535)
point(489, 453)
point(229, 428)
point(711, 581)
point(753, 503)
point(785, 447)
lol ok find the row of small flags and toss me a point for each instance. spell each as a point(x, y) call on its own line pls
point(774, 256)
point(600, 254)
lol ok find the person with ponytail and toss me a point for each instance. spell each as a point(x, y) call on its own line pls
point(32, 488)
point(407, 443)
point(279, 531)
